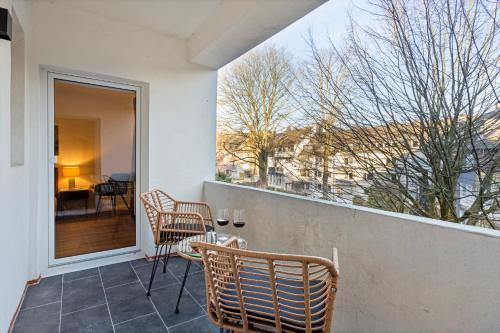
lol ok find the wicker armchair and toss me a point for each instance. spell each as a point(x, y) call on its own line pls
point(171, 221)
point(261, 292)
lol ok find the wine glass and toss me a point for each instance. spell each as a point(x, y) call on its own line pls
point(238, 219)
point(222, 216)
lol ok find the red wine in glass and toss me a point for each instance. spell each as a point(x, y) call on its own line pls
point(222, 222)
point(238, 220)
point(223, 217)
point(239, 224)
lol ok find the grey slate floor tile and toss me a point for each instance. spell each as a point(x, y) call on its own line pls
point(165, 300)
point(198, 325)
point(81, 294)
point(161, 279)
point(95, 320)
point(195, 284)
point(80, 274)
point(117, 274)
point(177, 266)
point(42, 319)
point(140, 262)
point(88, 307)
point(146, 324)
point(128, 302)
point(48, 290)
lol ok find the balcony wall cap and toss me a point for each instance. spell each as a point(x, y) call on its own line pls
point(400, 216)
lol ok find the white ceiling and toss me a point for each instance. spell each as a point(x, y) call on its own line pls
point(216, 31)
point(176, 18)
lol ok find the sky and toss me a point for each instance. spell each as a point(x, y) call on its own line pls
point(327, 22)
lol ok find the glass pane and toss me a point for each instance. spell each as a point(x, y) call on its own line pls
point(94, 175)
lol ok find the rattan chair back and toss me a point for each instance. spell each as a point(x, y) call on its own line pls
point(251, 291)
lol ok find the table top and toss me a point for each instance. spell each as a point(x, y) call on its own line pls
point(75, 189)
point(184, 247)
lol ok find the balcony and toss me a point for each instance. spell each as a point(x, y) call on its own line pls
point(398, 273)
point(164, 55)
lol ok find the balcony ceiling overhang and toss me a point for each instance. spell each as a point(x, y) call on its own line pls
point(216, 31)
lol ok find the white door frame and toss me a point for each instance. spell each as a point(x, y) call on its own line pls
point(99, 81)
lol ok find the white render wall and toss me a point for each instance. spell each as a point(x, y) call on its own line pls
point(179, 107)
point(398, 273)
point(13, 201)
point(180, 100)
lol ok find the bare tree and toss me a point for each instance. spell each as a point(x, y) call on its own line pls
point(317, 80)
point(417, 112)
point(253, 94)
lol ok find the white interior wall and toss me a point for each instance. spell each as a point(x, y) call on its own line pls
point(114, 112)
point(181, 102)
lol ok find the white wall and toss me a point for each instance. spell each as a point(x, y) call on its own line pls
point(181, 101)
point(398, 273)
point(13, 201)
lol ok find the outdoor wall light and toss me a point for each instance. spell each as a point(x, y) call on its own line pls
point(5, 24)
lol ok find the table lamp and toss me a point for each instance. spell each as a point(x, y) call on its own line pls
point(71, 172)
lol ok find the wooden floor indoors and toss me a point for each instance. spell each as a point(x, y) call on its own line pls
point(83, 234)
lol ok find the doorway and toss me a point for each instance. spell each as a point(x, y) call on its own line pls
point(93, 131)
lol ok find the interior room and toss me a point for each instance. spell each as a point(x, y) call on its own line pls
point(94, 174)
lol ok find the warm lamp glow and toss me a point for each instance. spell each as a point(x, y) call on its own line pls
point(71, 171)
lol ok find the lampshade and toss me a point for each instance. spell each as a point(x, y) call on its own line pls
point(71, 171)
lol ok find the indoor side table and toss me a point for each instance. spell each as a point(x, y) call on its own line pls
point(73, 194)
point(185, 251)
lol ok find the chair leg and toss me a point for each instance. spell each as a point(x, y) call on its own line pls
point(153, 269)
point(98, 206)
point(165, 258)
point(182, 287)
point(125, 202)
point(113, 204)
